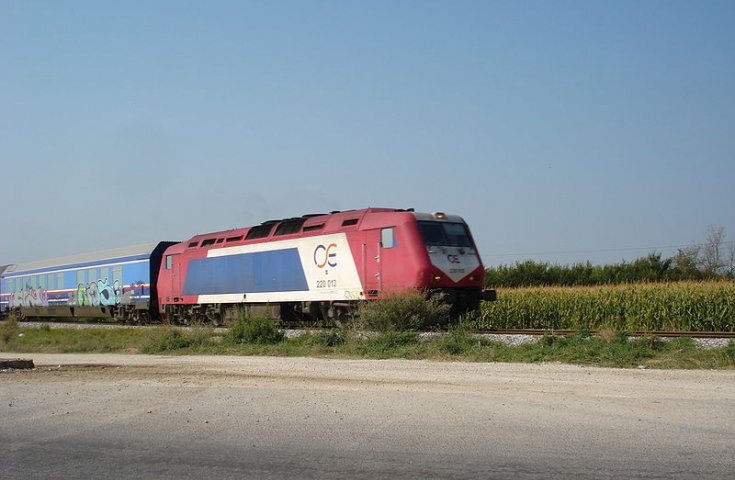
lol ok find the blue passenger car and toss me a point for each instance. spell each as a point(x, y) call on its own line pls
point(119, 283)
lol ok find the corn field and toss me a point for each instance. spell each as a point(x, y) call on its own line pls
point(681, 306)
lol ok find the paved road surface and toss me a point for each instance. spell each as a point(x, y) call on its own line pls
point(147, 417)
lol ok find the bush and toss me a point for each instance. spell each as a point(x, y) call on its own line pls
point(391, 342)
point(258, 330)
point(402, 311)
point(459, 341)
point(167, 339)
point(332, 337)
point(9, 329)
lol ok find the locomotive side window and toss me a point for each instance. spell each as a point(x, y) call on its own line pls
point(208, 242)
point(169, 262)
point(387, 240)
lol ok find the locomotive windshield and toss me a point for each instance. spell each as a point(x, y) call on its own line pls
point(445, 234)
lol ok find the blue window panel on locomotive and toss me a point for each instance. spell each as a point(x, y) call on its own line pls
point(260, 272)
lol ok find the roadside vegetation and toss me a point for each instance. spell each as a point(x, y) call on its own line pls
point(259, 336)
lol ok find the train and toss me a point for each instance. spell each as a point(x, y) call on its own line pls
point(308, 268)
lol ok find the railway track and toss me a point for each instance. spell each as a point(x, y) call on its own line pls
point(491, 332)
point(663, 334)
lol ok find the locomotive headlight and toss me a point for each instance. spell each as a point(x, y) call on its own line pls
point(439, 215)
point(437, 278)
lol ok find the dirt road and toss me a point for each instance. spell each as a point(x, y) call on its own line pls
point(166, 417)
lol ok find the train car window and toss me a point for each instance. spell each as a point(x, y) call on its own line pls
point(234, 239)
point(287, 227)
point(105, 274)
point(208, 242)
point(193, 244)
point(220, 240)
point(387, 240)
point(261, 231)
point(169, 261)
point(349, 221)
point(312, 228)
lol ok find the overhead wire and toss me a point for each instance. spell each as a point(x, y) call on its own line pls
point(604, 250)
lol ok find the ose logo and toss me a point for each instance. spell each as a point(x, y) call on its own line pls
point(453, 258)
point(324, 256)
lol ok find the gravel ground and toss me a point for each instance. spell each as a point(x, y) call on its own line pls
point(143, 416)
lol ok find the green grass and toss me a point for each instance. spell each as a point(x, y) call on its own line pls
point(609, 350)
point(65, 340)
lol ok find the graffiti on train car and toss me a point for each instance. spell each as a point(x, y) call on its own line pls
point(99, 293)
point(93, 294)
point(29, 297)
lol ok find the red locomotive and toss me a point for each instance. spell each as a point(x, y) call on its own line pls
point(320, 266)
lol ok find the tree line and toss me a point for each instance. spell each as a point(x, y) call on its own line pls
point(712, 259)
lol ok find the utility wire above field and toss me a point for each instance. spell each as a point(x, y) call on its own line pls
point(604, 250)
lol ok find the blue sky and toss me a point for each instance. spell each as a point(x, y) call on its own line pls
point(563, 131)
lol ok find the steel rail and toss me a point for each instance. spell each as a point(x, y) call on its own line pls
point(594, 333)
point(487, 331)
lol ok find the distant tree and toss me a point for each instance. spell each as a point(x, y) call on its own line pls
point(731, 260)
point(712, 254)
point(713, 258)
point(686, 262)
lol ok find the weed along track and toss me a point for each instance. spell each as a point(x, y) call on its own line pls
point(294, 331)
point(262, 337)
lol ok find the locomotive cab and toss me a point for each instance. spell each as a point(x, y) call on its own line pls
point(456, 273)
